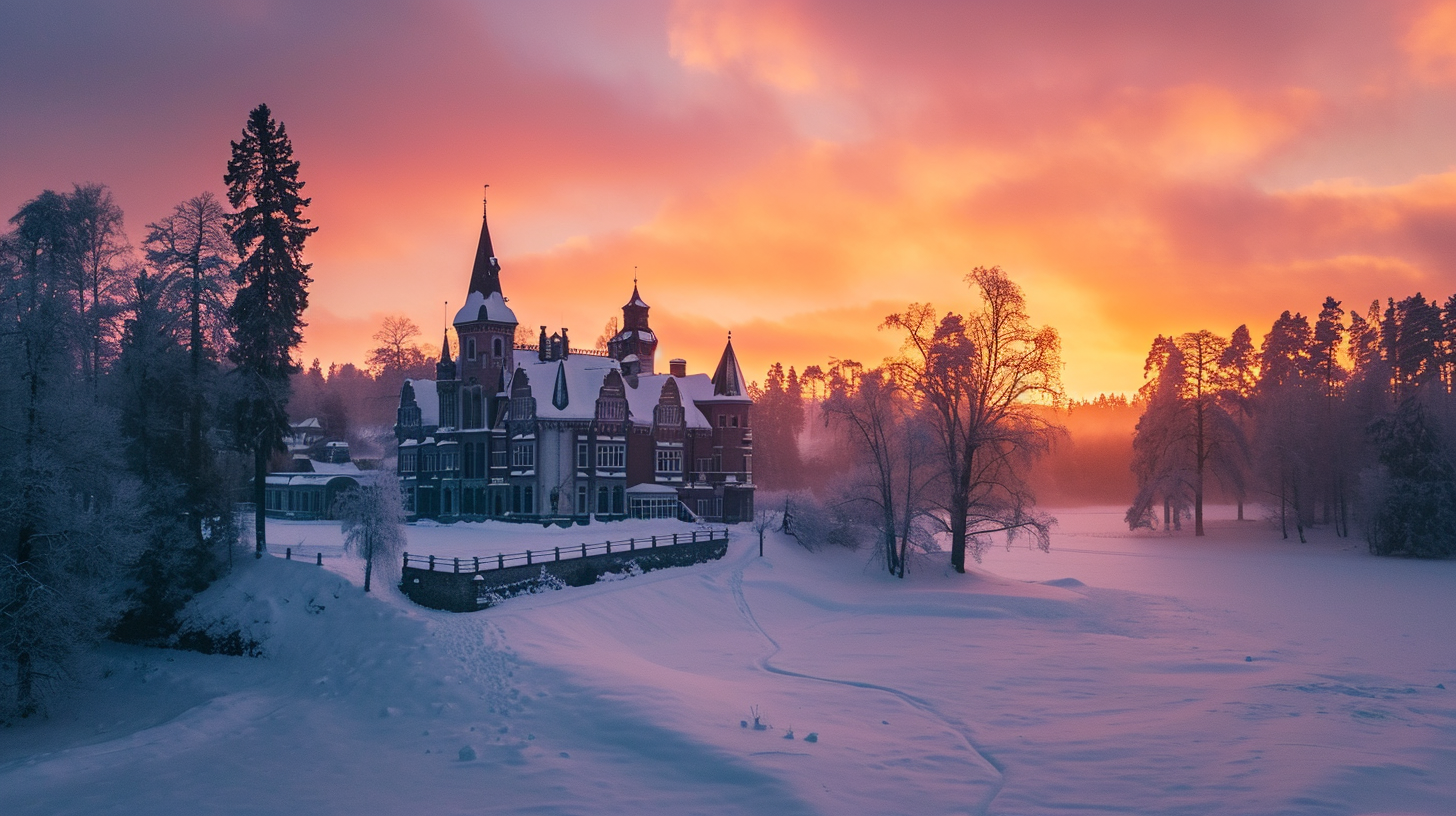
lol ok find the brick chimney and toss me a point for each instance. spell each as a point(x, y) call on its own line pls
point(678, 367)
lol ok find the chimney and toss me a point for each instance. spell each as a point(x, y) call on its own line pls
point(565, 343)
point(678, 367)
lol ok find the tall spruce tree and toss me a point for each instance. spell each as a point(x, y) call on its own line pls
point(267, 314)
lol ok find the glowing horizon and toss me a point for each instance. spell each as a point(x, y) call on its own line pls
point(790, 171)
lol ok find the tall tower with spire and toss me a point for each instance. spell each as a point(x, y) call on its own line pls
point(485, 326)
point(635, 346)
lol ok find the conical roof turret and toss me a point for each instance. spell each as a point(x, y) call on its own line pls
point(728, 379)
point(485, 275)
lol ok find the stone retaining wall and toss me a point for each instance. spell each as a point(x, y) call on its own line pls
point(469, 591)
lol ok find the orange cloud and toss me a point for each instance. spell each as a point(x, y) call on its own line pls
point(790, 170)
point(1431, 43)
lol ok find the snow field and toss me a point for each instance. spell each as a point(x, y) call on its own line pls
point(1120, 673)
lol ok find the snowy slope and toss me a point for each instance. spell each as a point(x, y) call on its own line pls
point(1129, 674)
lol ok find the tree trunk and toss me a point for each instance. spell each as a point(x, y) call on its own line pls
point(1283, 509)
point(889, 522)
point(25, 684)
point(195, 412)
point(958, 531)
point(260, 495)
point(1198, 476)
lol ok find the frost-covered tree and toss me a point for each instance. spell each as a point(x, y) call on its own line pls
point(69, 528)
point(99, 266)
point(880, 423)
point(778, 419)
point(192, 253)
point(268, 231)
point(1190, 433)
point(372, 519)
point(1411, 495)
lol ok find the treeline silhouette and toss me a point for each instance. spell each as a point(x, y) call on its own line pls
point(1343, 421)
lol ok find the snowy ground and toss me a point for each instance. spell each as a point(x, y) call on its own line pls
point(1237, 674)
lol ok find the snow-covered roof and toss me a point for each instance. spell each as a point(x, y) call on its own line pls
point(650, 488)
point(336, 468)
point(485, 307)
point(428, 399)
point(642, 399)
point(311, 422)
point(641, 334)
point(579, 377)
point(313, 479)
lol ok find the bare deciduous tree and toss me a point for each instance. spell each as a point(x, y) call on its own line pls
point(608, 332)
point(882, 425)
point(396, 350)
point(978, 378)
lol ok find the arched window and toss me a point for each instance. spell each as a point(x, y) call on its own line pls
point(497, 348)
point(470, 348)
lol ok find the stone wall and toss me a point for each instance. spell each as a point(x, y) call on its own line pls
point(468, 591)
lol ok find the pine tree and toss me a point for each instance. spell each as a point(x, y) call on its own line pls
point(1412, 495)
point(267, 314)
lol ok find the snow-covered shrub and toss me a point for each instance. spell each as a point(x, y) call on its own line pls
point(816, 524)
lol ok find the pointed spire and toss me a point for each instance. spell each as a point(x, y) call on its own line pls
point(728, 379)
point(445, 351)
point(559, 396)
point(485, 276)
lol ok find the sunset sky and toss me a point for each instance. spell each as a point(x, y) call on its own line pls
point(790, 171)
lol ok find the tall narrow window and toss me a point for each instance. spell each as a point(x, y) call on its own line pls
point(470, 348)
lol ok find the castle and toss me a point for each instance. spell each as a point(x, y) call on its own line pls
point(548, 432)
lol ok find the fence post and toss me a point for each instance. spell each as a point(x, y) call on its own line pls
point(500, 560)
point(558, 553)
point(674, 538)
point(457, 566)
point(432, 563)
point(406, 561)
point(320, 559)
point(632, 544)
point(477, 563)
point(654, 542)
point(609, 548)
point(583, 549)
point(528, 558)
point(288, 554)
